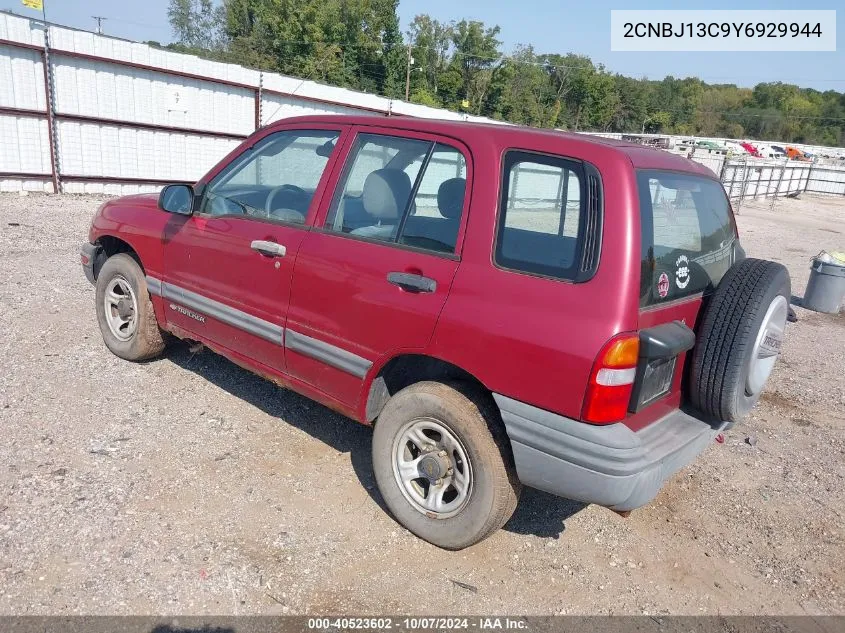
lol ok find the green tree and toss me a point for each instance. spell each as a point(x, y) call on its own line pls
point(603, 99)
point(521, 91)
point(430, 43)
point(476, 54)
point(424, 97)
point(197, 23)
point(357, 44)
point(568, 76)
point(632, 113)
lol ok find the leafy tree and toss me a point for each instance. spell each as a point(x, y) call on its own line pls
point(604, 101)
point(476, 53)
point(659, 122)
point(569, 76)
point(424, 97)
point(632, 113)
point(430, 42)
point(197, 23)
point(460, 65)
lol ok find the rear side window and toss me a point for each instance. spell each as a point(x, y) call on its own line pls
point(687, 235)
point(540, 218)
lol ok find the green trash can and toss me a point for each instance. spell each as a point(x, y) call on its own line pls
point(826, 287)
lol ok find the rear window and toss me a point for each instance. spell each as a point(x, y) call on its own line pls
point(687, 235)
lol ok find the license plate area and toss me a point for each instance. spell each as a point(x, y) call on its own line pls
point(655, 378)
point(660, 348)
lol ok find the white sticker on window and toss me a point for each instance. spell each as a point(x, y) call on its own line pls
point(682, 272)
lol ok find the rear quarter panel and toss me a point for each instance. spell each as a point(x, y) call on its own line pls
point(531, 338)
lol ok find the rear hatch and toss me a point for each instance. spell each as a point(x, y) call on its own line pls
point(689, 241)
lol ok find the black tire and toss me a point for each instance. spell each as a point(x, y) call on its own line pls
point(147, 340)
point(721, 359)
point(472, 417)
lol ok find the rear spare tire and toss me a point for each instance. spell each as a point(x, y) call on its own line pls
point(739, 339)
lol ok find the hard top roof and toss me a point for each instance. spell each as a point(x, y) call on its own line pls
point(641, 156)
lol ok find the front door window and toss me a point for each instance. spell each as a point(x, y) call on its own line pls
point(275, 180)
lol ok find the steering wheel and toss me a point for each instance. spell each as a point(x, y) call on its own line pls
point(221, 205)
point(286, 212)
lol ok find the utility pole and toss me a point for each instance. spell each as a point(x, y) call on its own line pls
point(99, 19)
point(408, 73)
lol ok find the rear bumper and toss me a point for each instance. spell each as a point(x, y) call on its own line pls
point(607, 465)
point(88, 255)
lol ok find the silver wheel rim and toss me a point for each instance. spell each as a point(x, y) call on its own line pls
point(767, 346)
point(121, 308)
point(431, 467)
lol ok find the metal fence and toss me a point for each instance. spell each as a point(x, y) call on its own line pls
point(87, 113)
point(748, 179)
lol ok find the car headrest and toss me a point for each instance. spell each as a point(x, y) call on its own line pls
point(386, 192)
point(450, 198)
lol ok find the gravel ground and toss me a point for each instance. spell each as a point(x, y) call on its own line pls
point(189, 486)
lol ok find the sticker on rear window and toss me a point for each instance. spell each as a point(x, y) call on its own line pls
point(687, 232)
point(682, 272)
point(663, 285)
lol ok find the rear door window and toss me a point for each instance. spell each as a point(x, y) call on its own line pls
point(401, 190)
point(688, 235)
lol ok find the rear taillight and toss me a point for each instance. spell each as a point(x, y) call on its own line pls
point(612, 380)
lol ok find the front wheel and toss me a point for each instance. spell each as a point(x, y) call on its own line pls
point(124, 310)
point(443, 464)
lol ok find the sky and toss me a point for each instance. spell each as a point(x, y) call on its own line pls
point(549, 25)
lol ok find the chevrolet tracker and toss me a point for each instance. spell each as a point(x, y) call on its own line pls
point(505, 306)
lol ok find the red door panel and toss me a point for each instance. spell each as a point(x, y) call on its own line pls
point(342, 297)
point(227, 276)
point(357, 301)
point(212, 258)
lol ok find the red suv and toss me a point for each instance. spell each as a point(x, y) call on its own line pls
point(504, 305)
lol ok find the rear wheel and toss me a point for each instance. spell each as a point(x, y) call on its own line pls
point(740, 338)
point(124, 310)
point(443, 464)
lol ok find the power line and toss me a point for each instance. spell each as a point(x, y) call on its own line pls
point(547, 64)
point(517, 60)
point(498, 58)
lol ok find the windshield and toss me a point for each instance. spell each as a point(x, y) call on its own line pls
point(688, 235)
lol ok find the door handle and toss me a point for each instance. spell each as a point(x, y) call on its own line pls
point(271, 249)
point(412, 282)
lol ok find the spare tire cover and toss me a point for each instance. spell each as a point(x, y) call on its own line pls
point(739, 339)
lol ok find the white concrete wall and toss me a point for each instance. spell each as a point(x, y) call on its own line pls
point(150, 96)
point(24, 140)
point(154, 96)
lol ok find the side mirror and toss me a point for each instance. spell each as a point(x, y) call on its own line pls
point(177, 199)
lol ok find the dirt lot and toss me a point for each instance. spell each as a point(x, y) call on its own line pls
point(187, 485)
